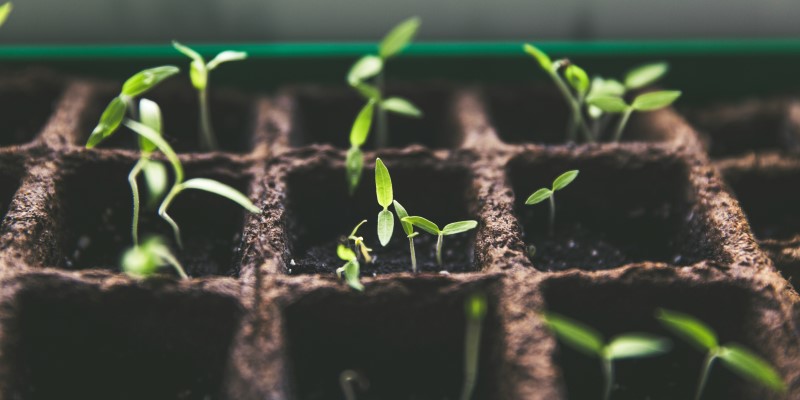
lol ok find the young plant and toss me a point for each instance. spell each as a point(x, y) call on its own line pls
point(354, 163)
point(198, 72)
point(590, 342)
point(155, 174)
point(372, 66)
point(358, 243)
point(644, 102)
point(410, 234)
point(114, 114)
point(733, 356)
point(475, 308)
point(383, 189)
point(433, 229)
point(349, 380)
point(142, 261)
point(351, 269)
point(544, 193)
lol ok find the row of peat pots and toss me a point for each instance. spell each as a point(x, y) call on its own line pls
point(651, 222)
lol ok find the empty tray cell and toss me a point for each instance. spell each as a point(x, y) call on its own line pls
point(627, 306)
point(67, 341)
point(408, 343)
point(26, 103)
point(755, 125)
point(96, 216)
point(539, 114)
point(323, 115)
point(232, 116)
point(622, 208)
point(321, 214)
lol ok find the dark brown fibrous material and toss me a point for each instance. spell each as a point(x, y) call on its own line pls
point(650, 222)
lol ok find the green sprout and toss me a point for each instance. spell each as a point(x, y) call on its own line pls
point(349, 380)
point(358, 243)
point(475, 308)
point(5, 10)
point(590, 342)
point(198, 72)
point(136, 85)
point(155, 174)
point(410, 234)
point(351, 269)
point(644, 102)
point(433, 229)
point(372, 66)
point(142, 261)
point(383, 189)
point(544, 193)
point(354, 163)
point(735, 357)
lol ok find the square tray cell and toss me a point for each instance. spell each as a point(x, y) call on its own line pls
point(68, 341)
point(96, 212)
point(618, 307)
point(26, 104)
point(539, 114)
point(408, 343)
point(232, 116)
point(323, 115)
point(321, 213)
point(621, 209)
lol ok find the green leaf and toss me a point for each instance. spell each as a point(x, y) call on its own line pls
point(109, 122)
point(351, 275)
point(655, 100)
point(385, 226)
point(383, 184)
point(161, 144)
point(565, 179)
point(539, 196)
point(540, 56)
point(361, 126)
point(345, 253)
point(689, 328)
point(5, 9)
point(366, 67)
point(147, 79)
point(423, 224)
point(401, 106)
point(609, 104)
point(459, 227)
point(139, 262)
point(188, 52)
point(150, 115)
point(355, 230)
point(645, 75)
point(606, 87)
point(401, 213)
point(751, 366)
point(577, 78)
point(354, 165)
point(636, 345)
point(221, 189)
point(226, 56)
point(575, 334)
point(399, 37)
point(155, 177)
point(369, 92)
point(475, 307)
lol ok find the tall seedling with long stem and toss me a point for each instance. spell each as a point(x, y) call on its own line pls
point(544, 193)
point(373, 66)
point(449, 229)
point(198, 72)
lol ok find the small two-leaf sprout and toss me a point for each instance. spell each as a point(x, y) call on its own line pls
point(372, 66)
point(144, 260)
point(198, 72)
point(644, 102)
point(590, 342)
point(449, 229)
point(475, 308)
point(544, 193)
point(352, 268)
point(733, 356)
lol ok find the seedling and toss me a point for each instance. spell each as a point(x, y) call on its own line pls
point(372, 66)
point(198, 72)
point(349, 380)
point(142, 261)
point(410, 234)
point(475, 308)
point(590, 342)
point(351, 269)
point(735, 357)
point(544, 193)
point(138, 84)
point(433, 229)
point(383, 189)
point(5, 9)
point(645, 102)
point(358, 243)
point(354, 163)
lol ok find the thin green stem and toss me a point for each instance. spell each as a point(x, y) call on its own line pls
point(552, 213)
point(382, 137)
point(135, 191)
point(608, 374)
point(573, 103)
point(207, 139)
point(439, 249)
point(622, 122)
point(710, 357)
point(413, 254)
point(162, 212)
point(168, 257)
point(472, 342)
